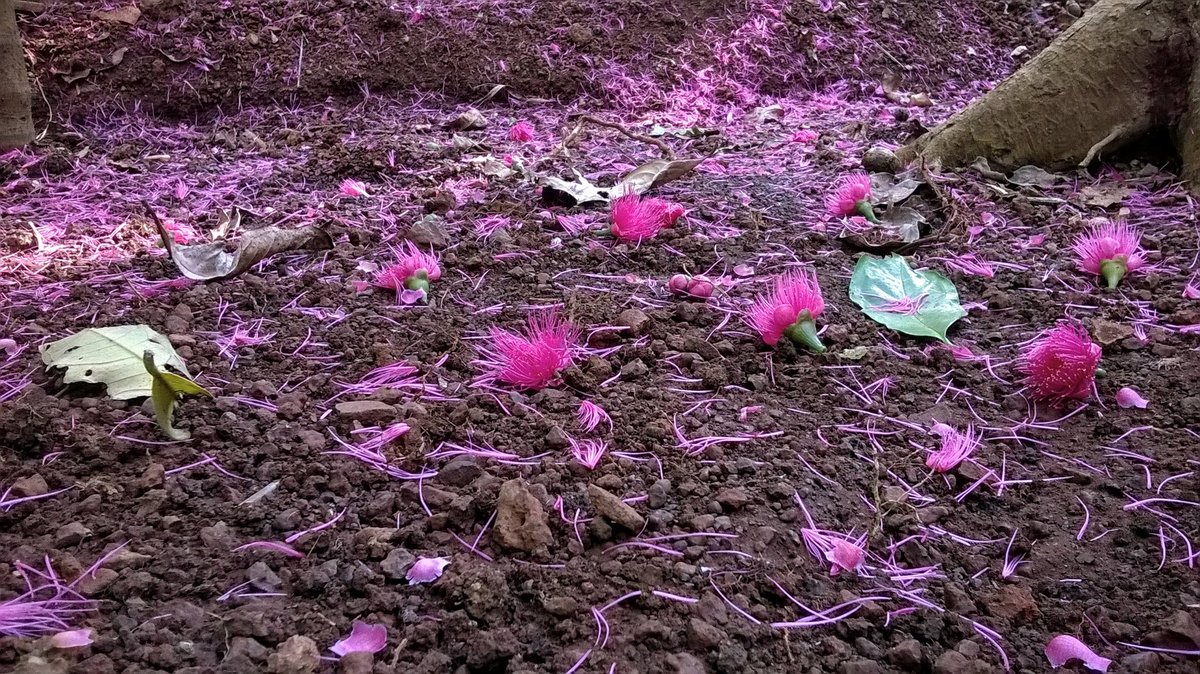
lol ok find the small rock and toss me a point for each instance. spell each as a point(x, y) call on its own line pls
point(1015, 603)
point(700, 346)
point(217, 537)
point(247, 647)
point(906, 654)
point(685, 663)
point(702, 636)
point(733, 498)
point(151, 478)
point(1074, 9)
point(263, 389)
point(860, 667)
point(311, 439)
point(1110, 332)
point(96, 582)
point(634, 320)
point(521, 523)
point(613, 509)
point(297, 655)
point(1141, 663)
point(70, 534)
point(931, 514)
point(176, 324)
point(34, 485)
point(263, 577)
point(951, 662)
point(556, 438)
point(126, 559)
point(366, 411)
point(428, 232)
point(397, 563)
point(881, 160)
point(634, 369)
point(359, 662)
point(460, 472)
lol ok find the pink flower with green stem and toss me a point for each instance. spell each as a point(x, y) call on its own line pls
point(789, 309)
point(852, 196)
point(411, 274)
point(1110, 250)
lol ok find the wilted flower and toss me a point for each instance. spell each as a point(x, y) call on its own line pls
point(409, 277)
point(956, 446)
point(353, 188)
point(531, 360)
point(588, 452)
point(1110, 249)
point(592, 415)
point(1064, 648)
point(636, 219)
point(522, 132)
point(1061, 365)
point(790, 308)
point(852, 196)
point(844, 556)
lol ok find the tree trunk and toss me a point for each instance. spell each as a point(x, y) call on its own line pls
point(16, 118)
point(1123, 69)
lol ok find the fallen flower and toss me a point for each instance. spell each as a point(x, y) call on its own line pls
point(531, 360)
point(852, 196)
point(364, 638)
point(844, 556)
point(353, 188)
point(71, 639)
point(426, 570)
point(1061, 365)
point(1110, 249)
point(409, 277)
point(635, 219)
point(1065, 648)
point(956, 447)
point(791, 309)
point(522, 132)
point(1127, 398)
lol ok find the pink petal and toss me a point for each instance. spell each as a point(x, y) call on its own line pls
point(1128, 397)
point(412, 296)
point(364, 638)
point(427, 570)
point(71, 639)
point(743, 270)
point(1064, 648)
point(844, 556)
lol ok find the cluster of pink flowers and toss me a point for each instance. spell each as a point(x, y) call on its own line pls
point(790, 308)
point(695, 286)
point(410, 275)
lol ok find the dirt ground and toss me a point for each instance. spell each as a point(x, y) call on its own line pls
point(268, 106)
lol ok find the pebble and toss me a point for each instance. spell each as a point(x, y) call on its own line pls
point(297, 655)
point(733, 498)
point(366, 411)
point(397, 563)
point(907, 654)
point(613, 509)
point(70, 534)
point(950, 662)
point(34, 485)
point(634, 320)
point(521, 522)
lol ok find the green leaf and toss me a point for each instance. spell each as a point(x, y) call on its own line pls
point(165, 391)
point(880, 285)
point(113, 357)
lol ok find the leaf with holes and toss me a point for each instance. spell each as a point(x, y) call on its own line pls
point(113, 357)
point(920, 303)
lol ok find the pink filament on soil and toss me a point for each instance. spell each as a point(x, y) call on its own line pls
point(1061, 365)
point(592, 415)
point(956, 446)
point(531, 360)
point(775, 311)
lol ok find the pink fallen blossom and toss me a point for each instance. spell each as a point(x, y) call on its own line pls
point(411, 274)
point(426, 570)
point(1191, 291)
point(956, 446)
point(1065, 648)
point(852, 196)
point(803, 136)
point(353, 188)
point(364, 638)
point(522, 132)
point(1127, 398)
point(1061, 364)
point(71, 639)
point(635, 219)
point(674, 212)
point(1110, 249)
point(531, 360)
point(791, 307)
point(844, 555)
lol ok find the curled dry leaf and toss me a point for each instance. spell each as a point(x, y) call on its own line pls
point(891, 189)
point(655, 173)
point(214, 262)
point(559, 192)
point(469, 120)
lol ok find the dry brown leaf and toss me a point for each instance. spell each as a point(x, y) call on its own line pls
point(127, 15)
point(468, 121)
point(213, 261)
point(654, 174)
point(1104, 196)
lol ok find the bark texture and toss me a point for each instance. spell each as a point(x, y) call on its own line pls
point(16, 119)
point(1122, 69)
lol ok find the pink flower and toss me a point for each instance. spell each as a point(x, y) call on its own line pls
point(522, 132)
point(635, 219)
point(364, 638)
point(956, 446)
point(588, 452)
point(531, 360)
point(409, 277)
point(852, 196)
point(1061, 365)
point(592, 415)
point(844, 556)
point(1110, 249)
point(803, 136)
point(426, 570)
point(1065, 648)
point(790, 308)
point(353, 188)
point(1128, 397)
